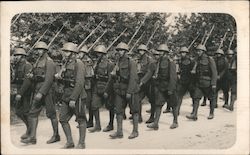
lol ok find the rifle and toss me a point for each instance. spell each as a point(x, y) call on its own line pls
point(16, 19)
point(137, 30)
point(210, 32)
point(92, 32)
point(193, 41)
point(203, 38)
point(155, 76)
point(231, 41)
point(116, 39)
point(96, 41)
point(149, 40)
point(222, 40)
point(58, 32)
point(38, 40)
point(137, 41)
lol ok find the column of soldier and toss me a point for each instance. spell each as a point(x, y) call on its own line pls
point(80, 81)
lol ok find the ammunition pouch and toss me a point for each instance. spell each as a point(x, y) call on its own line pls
point(204, 81)
point(69, 83)
point(38, 78)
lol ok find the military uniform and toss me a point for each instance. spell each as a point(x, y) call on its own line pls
point(42, 78)
point(206, 75)
point(222, 80)
point(186, 80)
point(126, 88)
point(165, 80)
point(73, 98)
point(21, 87)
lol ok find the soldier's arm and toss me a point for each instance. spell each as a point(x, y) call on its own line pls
point(150, 72)
point(172, 76)
point(225, 69)
point(213, 71)
point(133, 78)
point(26, 82)
point(49, 77)
point(79, 85)
point(110, 78)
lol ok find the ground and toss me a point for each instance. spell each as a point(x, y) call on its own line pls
point(219, 133)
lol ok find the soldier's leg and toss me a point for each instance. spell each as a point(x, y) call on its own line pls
point(151, 98)
point(89, 98)
point(225, 89)
point(173, 102)
point(96, 104)
point(65, 114)
point(119, 110)
point(82, 122)
point(233, 96)
point(135, 108)
point(204, 102)
point(110, 107)
point(181, 90)
point(212, 97)
point(51, 113)
point(197, 94)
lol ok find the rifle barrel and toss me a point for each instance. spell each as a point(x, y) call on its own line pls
point(137, 41)
point(157, 26)
point(193, 41)
point(97, 40)
point(117, 38)
point(137, 30)
point(57, 34)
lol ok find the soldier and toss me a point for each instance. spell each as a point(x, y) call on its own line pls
point(42, 77)
point(186, 80)
point(74, 95)
point(145, 68)
point(165, 78)
point(84, 56)
point(222, 77)
point(22, 87)
point(102, 70)
point(126, 88)
point(232, 77)
point(206, 75)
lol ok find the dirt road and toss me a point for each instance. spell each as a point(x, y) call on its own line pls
point(218, 133)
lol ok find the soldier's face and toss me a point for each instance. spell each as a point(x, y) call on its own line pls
point(99, 55)
point(218, 55)
point(141, 52)
point(67, 53)
point(40, 52)
point(17, 58)
point(183, 54)
point(199, 52)
point(80, 55)
point(157, 56)
point(121, 52)
point(230, 55)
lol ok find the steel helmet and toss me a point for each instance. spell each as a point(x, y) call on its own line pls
point(142, 47)
point(100, 49)
point(184, 49)
point(20, 51)
point(219, 51)
point(163, 47)
point(230, 52)
point(84, 49)
point(41, 45)
point(69, 46)
point(201, 47)
point(123, 46)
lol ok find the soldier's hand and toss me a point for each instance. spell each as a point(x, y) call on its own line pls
point(218, 77)
point(72, 104)
point(193, 72)
point(18, 97)
point(141, 83)
point(170, 92)
point(214, 89)
point(30, 75)
point(105, 95)
point(38, 96)
point(57, 76)
point(128, 96)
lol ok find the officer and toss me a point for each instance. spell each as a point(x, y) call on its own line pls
point(102, 70)
point(232, 77)
point(145, 67)
point(42, 77)
point(165, 79)
point(126, 88)
point(186, 80)
point(84, 56)
point(74, 95)
point(205, 84)
point(222, 77)
point(22, 88)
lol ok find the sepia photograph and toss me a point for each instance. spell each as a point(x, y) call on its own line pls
point(148, 81)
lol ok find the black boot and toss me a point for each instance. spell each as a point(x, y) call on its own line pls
point(193, 115)
point(175, 120)
point(155, 125)
point(33, 122)
point(97, 126)
point(25, 120)
point(111, 122)
point(212, 106)
point(119, 132)
point(204, 102)
point(55, 137)
point(67, 131)
point(226, 96)
point(135, 132)
point(233, 98)
point(82, 135)
point(90, 121)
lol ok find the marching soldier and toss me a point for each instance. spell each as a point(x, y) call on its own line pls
point(205, 84)
point(42, 77)
point(232, 77)
point(21, 87)
point(145, 68)
point(102, 70)
point(222, 77)
point(165, 78)
point(186, 80)
point(83, 55)
point(74, 95)
point(126, 88)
